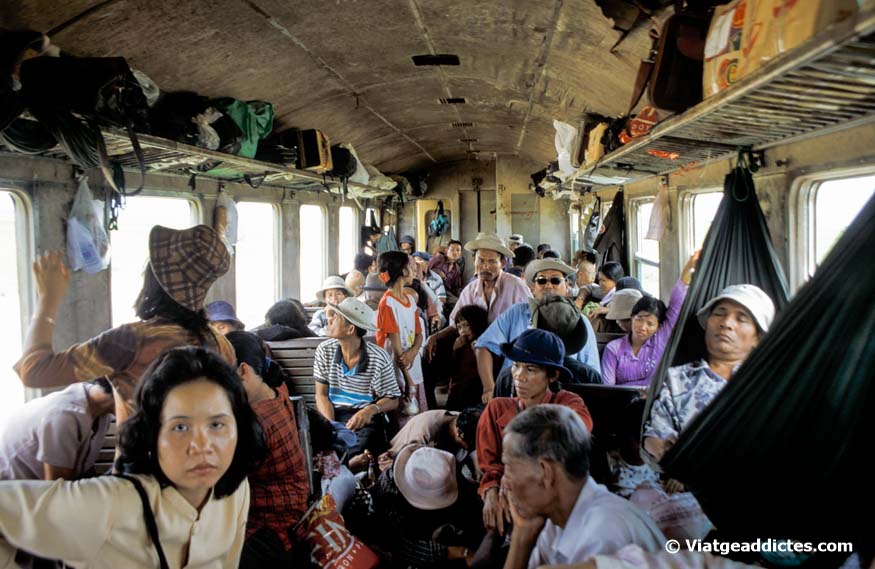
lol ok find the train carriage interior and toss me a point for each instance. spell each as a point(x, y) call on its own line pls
point(486, 284)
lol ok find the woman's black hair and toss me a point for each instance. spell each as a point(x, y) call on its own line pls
point(393, 263)
point(612, 270)
point(544, 247)
point(550, 254)
point(523, 255)
point(466, 424)
point(454, 242)
point(289, 312)
point(250, 349)
point(138, 436)
point(153, 301)
point(421, 295)
point(651, 305)
point(631, 283)
point(362, 262)
point(476, 317)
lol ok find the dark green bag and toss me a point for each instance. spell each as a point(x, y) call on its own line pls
point(783, 451)
point(255, 119)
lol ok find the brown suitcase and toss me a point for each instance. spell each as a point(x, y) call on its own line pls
point(314, 151)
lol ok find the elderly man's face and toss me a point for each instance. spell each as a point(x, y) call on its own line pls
point(334, 295)
point(585, 273)
point(550, 281)
point(407, 248)
point(454, 252)
point(338, 326)
point(488, 264)
point(731, 332)
point(524, 479)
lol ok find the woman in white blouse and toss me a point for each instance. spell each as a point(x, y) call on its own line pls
point(189, 445)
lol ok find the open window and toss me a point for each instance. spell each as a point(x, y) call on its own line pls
point(645, 255)
point(15, 280)
point(256, 268)
point(130, 246)
point(826, 205)
point(312, 250)
point(347, 238)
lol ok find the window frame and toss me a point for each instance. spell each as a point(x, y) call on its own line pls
point(632, 229)
point(278, 252)
point(356, 237)
point(686, 199)
point(801, 219)
point(197, 216)
point(324, 247)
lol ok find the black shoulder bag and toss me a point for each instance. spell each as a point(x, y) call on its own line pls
point(149, 517)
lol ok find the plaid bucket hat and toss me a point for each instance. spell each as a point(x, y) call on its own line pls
point(187, 262)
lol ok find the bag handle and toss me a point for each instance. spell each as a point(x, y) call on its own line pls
point(149, 517)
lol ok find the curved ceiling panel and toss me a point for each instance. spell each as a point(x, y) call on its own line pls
point(345, 67)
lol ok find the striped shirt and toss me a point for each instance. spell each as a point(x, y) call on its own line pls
point(371, 379)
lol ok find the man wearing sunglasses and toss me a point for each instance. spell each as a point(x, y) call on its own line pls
point(545, 277)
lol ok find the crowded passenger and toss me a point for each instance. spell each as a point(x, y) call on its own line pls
point(626, 468)
point(541, 249)
point(223, 318)
point(185, 451)
point(332, 293)
point(278, 484)
point(546, 278)
point(373, 291)
point(407, 244)
point(559, 315)
point(399, 329)
point(587, 289)
point(425, 516)
point(632, 359)
point(734, 322)
point(363, 265)
point(465, 387)
point(560, 514)
point(515, 241)
point(608, 276)
point(432, 280)
point(493, 289)
point(183, 265)
point(57, 436)
point(620, 311)
point(537, 358)
point(523, 255)
point(286, 319)
point(448, 267)
point(355, 379)
point(450, 431)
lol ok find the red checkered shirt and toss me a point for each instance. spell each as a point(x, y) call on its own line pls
point(279, 487)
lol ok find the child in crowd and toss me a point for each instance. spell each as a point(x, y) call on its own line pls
point(627, 469)
point(399, 329)
point(466, 390)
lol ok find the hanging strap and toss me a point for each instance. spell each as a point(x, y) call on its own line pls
point(149, 517)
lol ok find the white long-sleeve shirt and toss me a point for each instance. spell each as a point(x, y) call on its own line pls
point(98, 523)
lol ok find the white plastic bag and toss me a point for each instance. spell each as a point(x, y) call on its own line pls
point(225, 220)
point(566, 142)
point(361, 175)
point(660, 215)
point(207, 137)
point(87, 241)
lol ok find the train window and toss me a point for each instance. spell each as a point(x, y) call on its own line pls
point(646, 255)
point(130, 246)
point(575, 230)
point(828, 206)
point(256, 267)
point(312, 257)
point(347, 240)
point(697, 212)
point(14, 255)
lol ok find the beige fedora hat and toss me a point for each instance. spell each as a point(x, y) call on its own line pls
point(357, 313)
point(331, 283)
point(426, 477)
point(536, 266)
point(489, 241)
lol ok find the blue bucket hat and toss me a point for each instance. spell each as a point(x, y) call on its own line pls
point(539, 347)
point(221, 311)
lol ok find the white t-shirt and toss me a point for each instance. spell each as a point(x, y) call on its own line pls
point(402, 318)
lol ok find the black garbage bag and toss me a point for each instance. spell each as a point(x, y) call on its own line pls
point(737, 249)
point(783, 450)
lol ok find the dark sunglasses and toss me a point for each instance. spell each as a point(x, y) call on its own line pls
point(555, 281)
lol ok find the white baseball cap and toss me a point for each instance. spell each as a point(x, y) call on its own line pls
point(751, 297)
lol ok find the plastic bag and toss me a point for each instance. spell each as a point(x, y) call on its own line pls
point(207, 137)
point(331, 545)
point(225, 220)
point(361, 175)
point(660, 215)
point(566, 142)
point(87, 241)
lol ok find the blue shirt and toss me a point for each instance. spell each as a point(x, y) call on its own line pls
point(516, 320)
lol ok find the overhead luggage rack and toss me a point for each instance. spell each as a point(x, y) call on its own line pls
point(824, 85)
point(171, 157)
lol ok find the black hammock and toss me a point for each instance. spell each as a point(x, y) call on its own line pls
point(737, 250)
point(783, 450)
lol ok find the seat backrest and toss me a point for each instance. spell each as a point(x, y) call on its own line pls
point(604, 338)
point(106, 456)
point(606, 404)
point(295, 358)
point(303, 423)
